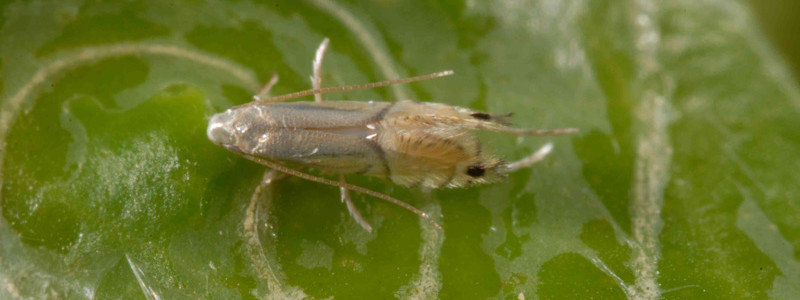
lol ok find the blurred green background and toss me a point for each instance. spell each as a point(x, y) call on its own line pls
point(779, 21)
point(682, 183)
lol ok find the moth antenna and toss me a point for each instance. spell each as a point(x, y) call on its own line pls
point(535, 132)
point(357, 87)
point(355, 188)
point(352, 207)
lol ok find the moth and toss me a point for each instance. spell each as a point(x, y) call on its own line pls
point(413, 144)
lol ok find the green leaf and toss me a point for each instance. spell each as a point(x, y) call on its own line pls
point(682, 183)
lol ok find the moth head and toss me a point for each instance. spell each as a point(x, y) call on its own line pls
point(221, 130)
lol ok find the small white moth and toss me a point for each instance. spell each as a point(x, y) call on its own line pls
point(413, 144)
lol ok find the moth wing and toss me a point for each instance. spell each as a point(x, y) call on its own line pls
point(446, 116)
point(328, 151)
point(313, 115)
point(425, 160)
point(432, 145)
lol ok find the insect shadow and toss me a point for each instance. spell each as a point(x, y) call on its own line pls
point(413, 144)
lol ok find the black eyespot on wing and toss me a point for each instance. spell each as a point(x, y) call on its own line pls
point(481, 116)
point(476, 171)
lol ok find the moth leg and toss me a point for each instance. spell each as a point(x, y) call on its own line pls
point(264, 186)
point(263, 94)
point(531, 159)
point(263, 257)
point(289, 171)
point(316, 79)
point(267, 179)
point(251, 220)
point(352, 207)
